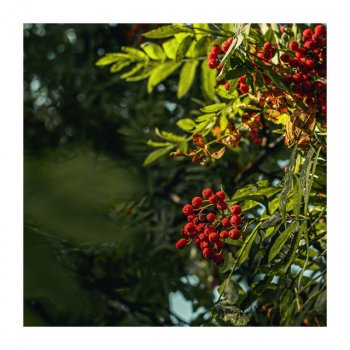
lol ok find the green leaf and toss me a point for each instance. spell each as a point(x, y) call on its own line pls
point(288, 183)
point(236, 42)
point(223, 122)
point(228, 263)
point(201, 47)
point(158, 144)
point(167, 31)
point(281, 240)
point(213, 108)
point(186, 124)
point(158, 153)
point(208, 81)
point(160, 73)
point(187, 75)
point(170, 47)
point(169, 136)
point(271, 220)
point(295, 245)
point(133, 71)
point(138, 55)
point(154, 51)
point(183, 47)
point(116, 67)
point(243, 253)
point(205, 117)
point(235, 73)
point(109, 58)
point(297, 194)
point(146, 72)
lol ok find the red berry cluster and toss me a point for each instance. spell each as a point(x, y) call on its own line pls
point(216, 50)
point(267, 52)
point(306, 65)
point(209, 223)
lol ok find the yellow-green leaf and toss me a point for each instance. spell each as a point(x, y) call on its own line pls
point(187, 75)
point(154, 51)
point(160, 73)
point(208, 81)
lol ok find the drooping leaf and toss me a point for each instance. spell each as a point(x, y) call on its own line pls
point(160, 73)
point(183, 47)
point(158, 153)
point(109, 58)
point(281, 240)
point(118, 66)
point(169, 136)
point(133, 71)
point(243, 253)
point(187, 75)
point(208, 81)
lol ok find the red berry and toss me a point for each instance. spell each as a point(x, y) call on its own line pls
point(288, 79)
point(244, 88)
point(224, 234)
point(300, 53)
point(310, 63)
point(189, 228)
point(204, 244)
point(190, 217)
point(209, 229)
point(320, 29)
point(221, 205)
point(218, 259)
point(207, 193)
point(213, 199)
point(197, 202)
point(227, 86)
point(182, 242)
point(242, 79)
point(307, 33)
point(207, 253)
point(267, 46)
point(216, 49)
point(293, 62)
point(235, 209)
point(226, 222)
point(202, 237)
point(235, 220)
point(221, 195)
point(211, 217)
point(213, 237)
point(213, 64)
point(187, 209)
point(309, 44)
point(284, 57)
point(197, 241)
point(293, 45)
point(212, 56)
point(235, 234)
point(297, 77)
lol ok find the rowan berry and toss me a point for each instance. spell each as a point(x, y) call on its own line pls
point(212, 56)
point(221, 205)
point(227, 86)
point(307, 33)
point(187, 209)
point(191, 217)
point(244, 88)
point(293, 62)
point(207, 193)
point(213, 237)
point(285, 57)
point(235, 233)
point(190, 227)
point(241, 79)
point(267, 46)
point(224, 234)
point(235, 220)
point(216, 49)
point(235, 209)
point(293, 45)
point(204, 244)
point(320, 29)
point(211, 217)
point(197, 202)
point(182, 242)
point(219, 245)
point(213, 64)
point(207, 253)
point(213, 199)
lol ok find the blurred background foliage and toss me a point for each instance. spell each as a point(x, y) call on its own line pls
point(99, 227)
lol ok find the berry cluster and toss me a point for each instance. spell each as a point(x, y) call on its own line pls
point(306, 65)
point(209, 223)
point(216, 50)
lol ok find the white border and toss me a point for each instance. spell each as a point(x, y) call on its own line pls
point(13, 15)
